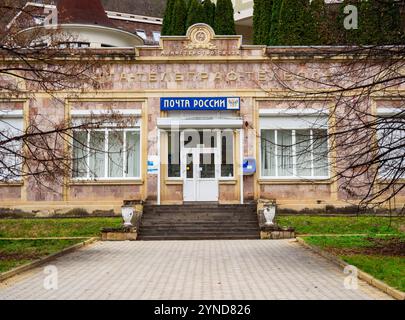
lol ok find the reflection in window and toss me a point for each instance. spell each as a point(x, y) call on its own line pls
point(227, 167)
point(106, 153)
point(173, 154)
point(294, 153)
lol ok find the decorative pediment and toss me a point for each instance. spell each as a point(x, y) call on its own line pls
point(200, 41)
point(200, 36)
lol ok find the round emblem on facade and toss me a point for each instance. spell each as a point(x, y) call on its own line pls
point(200, 36)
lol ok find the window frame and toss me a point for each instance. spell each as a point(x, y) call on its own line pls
point(294, 176)
point(154, 33)
point(219, 135)
point(143, 32)
point(106, 154)
point(386, 113)
point(15, 115)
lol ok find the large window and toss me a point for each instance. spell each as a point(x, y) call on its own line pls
point(10, 152)
point(391, 141)
point(106, 154)
point(299, 153)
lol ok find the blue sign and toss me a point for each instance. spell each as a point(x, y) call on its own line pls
point(249, 166)
point(193, 104)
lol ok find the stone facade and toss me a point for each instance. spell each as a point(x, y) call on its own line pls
point(187, 66)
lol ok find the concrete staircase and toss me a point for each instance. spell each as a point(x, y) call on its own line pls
point(199, 222)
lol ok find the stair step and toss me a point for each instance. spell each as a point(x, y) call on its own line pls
point(199, 222)
point(174, 229)
point(196, 237)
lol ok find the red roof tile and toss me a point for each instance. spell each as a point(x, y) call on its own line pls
point(83, 12)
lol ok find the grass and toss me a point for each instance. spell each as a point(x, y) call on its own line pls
point(390, 270)
point(380, 256)
point(326, 242)
point(43, 228)
point(14, 253)
point(342, 225)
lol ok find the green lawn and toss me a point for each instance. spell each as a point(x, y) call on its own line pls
point(342, 225)
point(14, 253)
point(42, 228)
point(391, 270)
point(383, 257)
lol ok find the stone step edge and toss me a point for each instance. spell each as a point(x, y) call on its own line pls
point(382, 286)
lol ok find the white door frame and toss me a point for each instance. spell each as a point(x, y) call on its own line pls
point(197, 181)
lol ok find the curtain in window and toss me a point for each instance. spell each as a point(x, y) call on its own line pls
point(133, 151)
point(10, 161)
point(303, 152)
point(268, 153)
point(285, 153)
point(80, 154)
point(320, 150)
point(97, 154)
point(307, 150)
point(115, 154)
point(391, 142)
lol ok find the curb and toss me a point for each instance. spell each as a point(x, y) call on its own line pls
point(39, 262)
point(346, 234)
point(43, 238)
point(395, 293)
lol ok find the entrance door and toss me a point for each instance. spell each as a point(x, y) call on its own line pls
point(201, 172)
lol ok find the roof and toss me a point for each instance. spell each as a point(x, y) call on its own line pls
point(83, 12)
point(151, 8)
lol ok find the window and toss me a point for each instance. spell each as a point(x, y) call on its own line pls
point(141, 33)
point(10, 152)
point(106, 154)
point(227, 166)
point(299, 153)
point(391, 138)
point(222, 141)
point(156, 36)
point(174, 168)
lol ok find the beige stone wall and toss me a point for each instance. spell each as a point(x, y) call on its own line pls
point(182, 67)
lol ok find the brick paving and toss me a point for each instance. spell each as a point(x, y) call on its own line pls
point(190, 270)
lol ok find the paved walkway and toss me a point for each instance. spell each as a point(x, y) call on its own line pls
point(190, 270)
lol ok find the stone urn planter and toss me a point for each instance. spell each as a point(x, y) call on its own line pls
point(269, 229)
point(131, 213)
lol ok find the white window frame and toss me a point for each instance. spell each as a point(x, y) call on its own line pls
point(14, 115)
point(293, 120)
point(386, 113)
point(218, 151)
point(142, 33)
point(155, 37)
point(106, 160)
point(294, 176)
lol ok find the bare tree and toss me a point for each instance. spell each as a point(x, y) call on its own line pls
point(366, 148)
point(40, 60)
